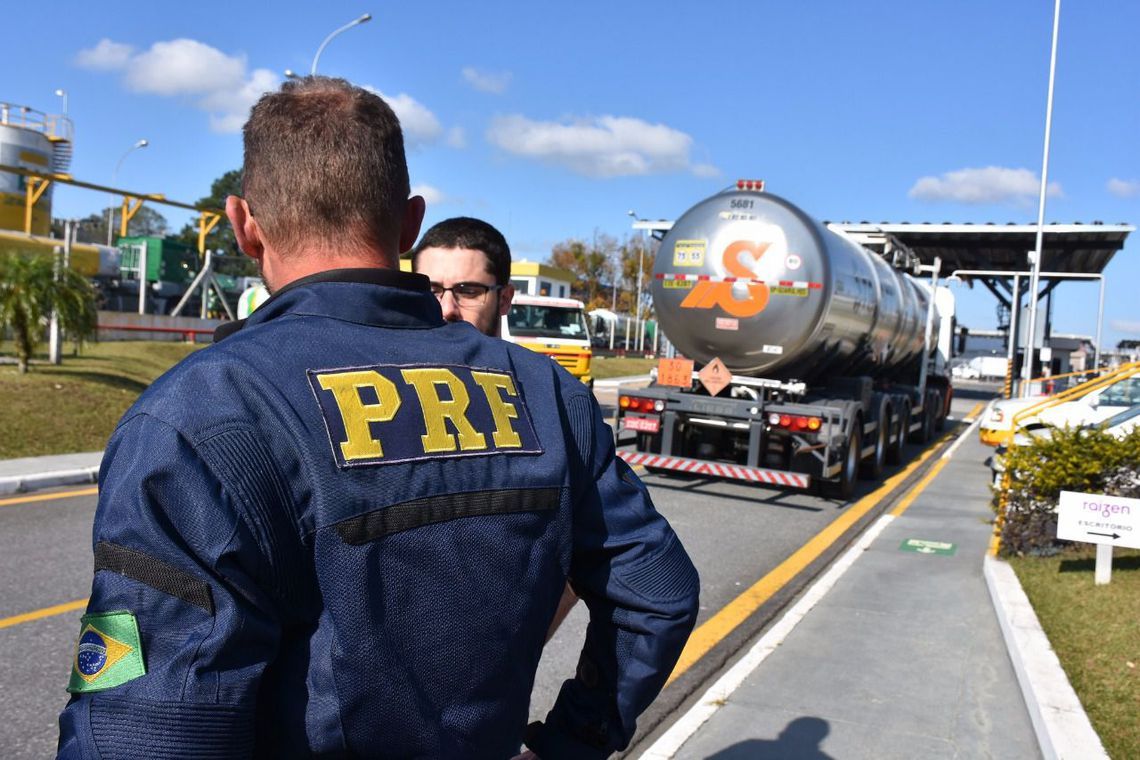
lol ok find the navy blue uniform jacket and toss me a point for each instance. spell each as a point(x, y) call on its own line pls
point(344, 530)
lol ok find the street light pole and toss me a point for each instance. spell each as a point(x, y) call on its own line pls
point(1035, 277)
point(63, 94)
point(640, 270)
point(355, 22)
point(114, 177)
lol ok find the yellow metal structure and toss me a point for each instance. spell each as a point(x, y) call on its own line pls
point(38, 182)
point(37, 141)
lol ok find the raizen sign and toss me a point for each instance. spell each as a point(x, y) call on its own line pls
point(1098, 519)
point(1106, 521)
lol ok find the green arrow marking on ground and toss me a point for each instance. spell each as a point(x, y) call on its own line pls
point(927, 547)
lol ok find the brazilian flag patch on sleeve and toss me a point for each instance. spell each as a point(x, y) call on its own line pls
point(109, 652)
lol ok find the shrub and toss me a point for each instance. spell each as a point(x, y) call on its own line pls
point(1086, 460)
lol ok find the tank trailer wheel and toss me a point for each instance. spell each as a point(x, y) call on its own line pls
point(926, 431)
point(845, 485)
point(896, 450)
point(872, 468)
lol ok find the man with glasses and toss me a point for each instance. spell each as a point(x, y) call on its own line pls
point(342, 529)
point(469, 265)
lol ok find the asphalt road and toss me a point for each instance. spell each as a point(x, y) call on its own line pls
point(735, 533)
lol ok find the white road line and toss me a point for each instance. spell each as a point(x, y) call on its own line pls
point(965, 433)
point(713, 699)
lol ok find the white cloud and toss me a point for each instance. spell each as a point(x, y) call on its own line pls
point(487, 81)
point(432, 195)
point(1124, 188)
point(219, 84)
point(707, 171)
point(420, 125)
point(456, 137)
point(1125, 326)
point(105, 56)
point(184, 67)
point(993, 184)
point(606, 146)
point(229, 107)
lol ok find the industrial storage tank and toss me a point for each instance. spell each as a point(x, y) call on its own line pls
point(750, 278)
point(30, 139)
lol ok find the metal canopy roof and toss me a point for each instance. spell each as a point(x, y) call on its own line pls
point(1070, 248)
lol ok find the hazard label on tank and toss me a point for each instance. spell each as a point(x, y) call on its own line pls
point(689, 253)
point(783, 290)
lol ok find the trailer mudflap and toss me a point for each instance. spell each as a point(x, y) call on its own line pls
point(717, 469)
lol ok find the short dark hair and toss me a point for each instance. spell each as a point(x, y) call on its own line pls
point(474, 234)
point(324, 160)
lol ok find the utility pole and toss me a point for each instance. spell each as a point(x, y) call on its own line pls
point(1035, 277)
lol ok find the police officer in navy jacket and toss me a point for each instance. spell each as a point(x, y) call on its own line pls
point(344, 529)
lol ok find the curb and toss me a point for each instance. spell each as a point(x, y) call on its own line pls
point(1063, 728)
point(22, 483)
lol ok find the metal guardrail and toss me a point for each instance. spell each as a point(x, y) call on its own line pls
point(188, 333)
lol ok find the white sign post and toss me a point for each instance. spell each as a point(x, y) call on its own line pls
point(1106, 521)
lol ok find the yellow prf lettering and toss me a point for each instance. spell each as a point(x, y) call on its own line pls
point(437, 411)
point(502, 411)
point(345, 387)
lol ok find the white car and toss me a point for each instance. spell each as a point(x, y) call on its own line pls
point(996, 426)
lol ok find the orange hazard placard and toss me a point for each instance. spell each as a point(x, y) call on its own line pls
point(715, 376)
point(677, 372)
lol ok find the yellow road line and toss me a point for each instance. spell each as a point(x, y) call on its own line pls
point(919, 487)
point(50, 496)
point(974, 412)
point(28, 617)
point(715, 629)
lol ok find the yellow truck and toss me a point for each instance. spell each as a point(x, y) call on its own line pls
point(555, 327)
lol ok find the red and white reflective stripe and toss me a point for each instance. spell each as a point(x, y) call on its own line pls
point(717, 469)
point(770, 283)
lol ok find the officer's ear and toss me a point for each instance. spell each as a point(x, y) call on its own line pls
point(247, 231)
point(410, 225)
point(506, 295)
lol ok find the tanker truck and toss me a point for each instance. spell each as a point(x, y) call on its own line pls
point(819, 354)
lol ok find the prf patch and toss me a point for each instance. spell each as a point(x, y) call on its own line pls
point(689, 253)
point(109, 652)
point(389, 413)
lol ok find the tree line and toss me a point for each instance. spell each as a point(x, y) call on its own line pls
point(606, 269)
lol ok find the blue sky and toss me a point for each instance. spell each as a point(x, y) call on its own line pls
point(552, 120)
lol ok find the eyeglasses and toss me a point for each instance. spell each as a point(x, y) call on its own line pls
point(465, 293)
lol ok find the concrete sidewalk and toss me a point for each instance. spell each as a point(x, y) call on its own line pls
point(19, 475)
point(897, 651)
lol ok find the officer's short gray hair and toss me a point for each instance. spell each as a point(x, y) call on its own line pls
point(324, 163)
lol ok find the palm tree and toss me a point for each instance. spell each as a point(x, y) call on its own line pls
point(30, 289)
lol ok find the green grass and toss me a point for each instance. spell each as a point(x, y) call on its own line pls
point(75, 406)
point(604, 367)
point(1095, 631)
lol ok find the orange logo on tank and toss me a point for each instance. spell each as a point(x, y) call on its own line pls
point(708, 294)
